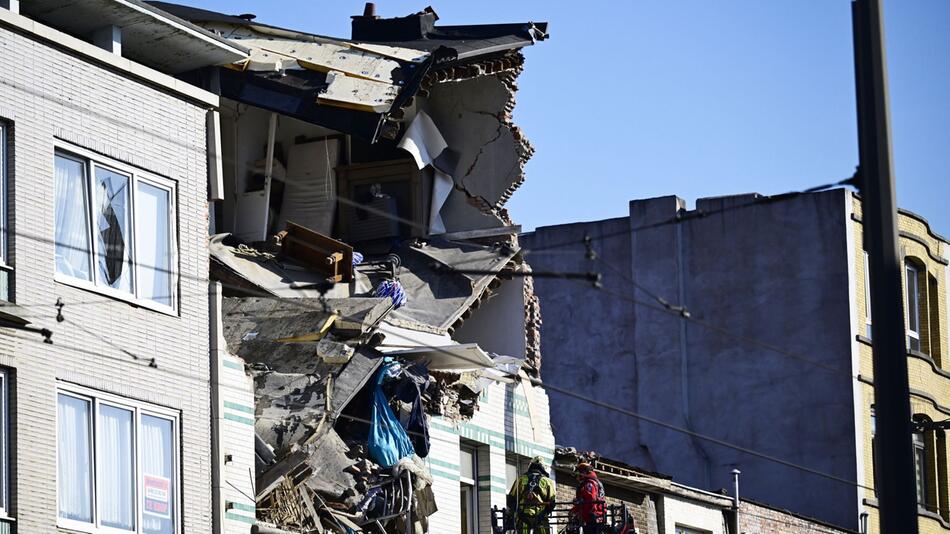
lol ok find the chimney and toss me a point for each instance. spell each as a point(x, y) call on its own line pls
point(370, 27)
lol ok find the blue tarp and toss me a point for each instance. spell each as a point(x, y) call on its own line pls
point(388, 441)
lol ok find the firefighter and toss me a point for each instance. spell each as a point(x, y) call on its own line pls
point(589, 508)
point(532, 497)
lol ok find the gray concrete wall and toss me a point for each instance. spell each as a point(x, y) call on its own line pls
point(777, 273)
point(50, 97)
point(586, 337)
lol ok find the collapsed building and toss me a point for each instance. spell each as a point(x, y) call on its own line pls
point(376, 340)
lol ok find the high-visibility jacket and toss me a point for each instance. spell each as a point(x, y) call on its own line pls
point(533, 492)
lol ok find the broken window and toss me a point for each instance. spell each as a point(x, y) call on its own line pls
point(113, 225)
point(121, 217)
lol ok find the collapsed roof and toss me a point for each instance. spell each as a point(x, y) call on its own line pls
point(322, 80)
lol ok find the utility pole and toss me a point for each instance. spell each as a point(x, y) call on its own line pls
point(897, 490)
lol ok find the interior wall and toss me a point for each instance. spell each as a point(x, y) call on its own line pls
point(498, 325)
point(244, 132)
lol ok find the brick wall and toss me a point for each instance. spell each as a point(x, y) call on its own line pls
point(640, 505)
point(928, 370)
point(52, 97)
point(756, 519)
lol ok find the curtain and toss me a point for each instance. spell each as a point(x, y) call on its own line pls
point(72, 224)
point(157, 478)
point(75, 464)
point(153, 251)
point(113, 223)
point(116, 493)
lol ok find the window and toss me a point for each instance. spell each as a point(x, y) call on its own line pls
point(4, 444)
point(680, 529)
point(116, 464)
point(920, 468)
point(874, 468)
point(913, 307)
point(4, 180)
point(867, 294)
point(933, 296)
point(469, 497)
point(115, 229)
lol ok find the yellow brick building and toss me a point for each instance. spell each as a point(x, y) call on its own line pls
point(925, 281)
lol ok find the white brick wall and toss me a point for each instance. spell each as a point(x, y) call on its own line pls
point(694, 515)
point(500, 426)
point(47, 93)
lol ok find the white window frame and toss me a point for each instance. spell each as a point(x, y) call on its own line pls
point(138, 408)
point(867, 295)
point(920, 469)
point(4, 181)
point(471, 485)
point(5, 444)
point(912, 302)
point(91, 161)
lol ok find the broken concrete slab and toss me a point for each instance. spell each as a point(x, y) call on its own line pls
point(250, 321)
point(439, 298)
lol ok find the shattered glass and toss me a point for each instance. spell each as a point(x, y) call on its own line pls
point(113, 229)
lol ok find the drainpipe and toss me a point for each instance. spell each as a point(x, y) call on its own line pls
point(684, 357)
point(735, 500)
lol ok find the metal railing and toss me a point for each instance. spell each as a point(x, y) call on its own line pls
point(614, 519)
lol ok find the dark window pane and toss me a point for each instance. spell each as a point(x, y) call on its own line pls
point(113, 229)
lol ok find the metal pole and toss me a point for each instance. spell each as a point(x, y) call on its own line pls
point(897, 486)
point(735, 500)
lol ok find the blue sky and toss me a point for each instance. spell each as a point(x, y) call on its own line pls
point(644, 98)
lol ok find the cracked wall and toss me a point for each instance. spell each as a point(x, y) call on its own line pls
point(474, 117)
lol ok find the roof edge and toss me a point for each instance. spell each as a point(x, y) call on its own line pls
point(143, 74)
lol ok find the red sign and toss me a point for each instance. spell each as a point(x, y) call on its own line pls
point(158, 494)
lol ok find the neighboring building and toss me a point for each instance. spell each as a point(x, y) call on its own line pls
point(396, 146)
point(104, 191)
point(775, 357)
point(658, 505)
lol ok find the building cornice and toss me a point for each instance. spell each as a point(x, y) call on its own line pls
point(146, 75)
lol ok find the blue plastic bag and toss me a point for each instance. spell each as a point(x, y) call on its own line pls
point(388, 442)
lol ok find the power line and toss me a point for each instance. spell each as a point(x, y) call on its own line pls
point(633, 414)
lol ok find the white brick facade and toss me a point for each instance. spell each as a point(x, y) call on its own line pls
point(50, 96)
point(502, 426)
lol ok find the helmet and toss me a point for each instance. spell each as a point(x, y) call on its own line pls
point(537, 460)
point(584, 468)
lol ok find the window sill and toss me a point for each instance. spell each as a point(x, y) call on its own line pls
point(114, 294)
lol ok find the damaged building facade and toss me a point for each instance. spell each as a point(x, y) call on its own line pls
point(376, 342)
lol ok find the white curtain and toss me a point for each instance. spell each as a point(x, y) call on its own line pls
point(157, 465)
point(116, 494)
point(72, 223)
point(153, 251)
point(75, 464)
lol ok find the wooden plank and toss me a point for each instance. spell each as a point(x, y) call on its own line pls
point(325, 57)
point(325, 254)
point(357, 94)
